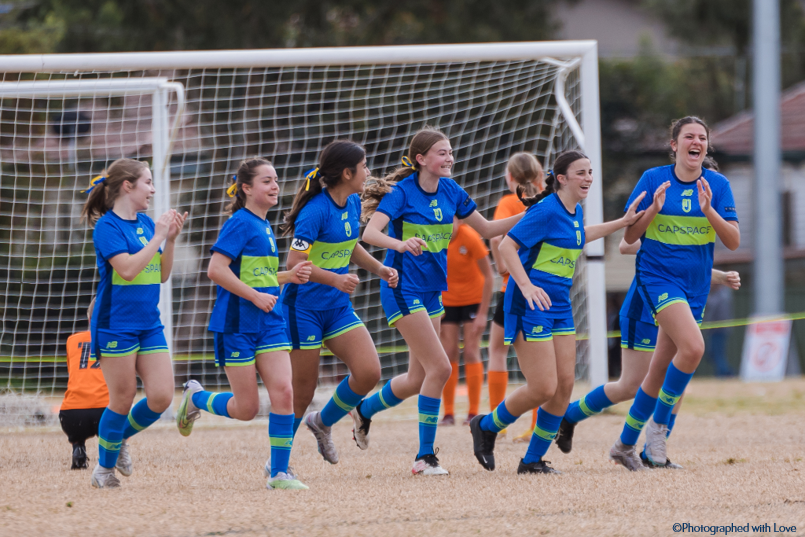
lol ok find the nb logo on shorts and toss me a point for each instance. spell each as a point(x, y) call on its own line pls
point(112, 345)
point(416, 302)
point(433, 203)
point(688, 192)
point(662, 297)
point(311, 338)
point(139, 231)
point(646, 341)
point(536, 330)
point(235, 354)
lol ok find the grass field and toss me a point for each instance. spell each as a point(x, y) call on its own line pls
point(742, 445)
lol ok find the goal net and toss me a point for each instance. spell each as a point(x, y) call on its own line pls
point(285, 105)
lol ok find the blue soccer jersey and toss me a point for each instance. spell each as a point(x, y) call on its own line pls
point(551, 239)
point(248, 241)
point(328, 233)
point(429, 216)
point(120, 304)
point(678, 244)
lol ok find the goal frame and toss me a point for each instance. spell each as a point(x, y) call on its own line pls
point(568, 55)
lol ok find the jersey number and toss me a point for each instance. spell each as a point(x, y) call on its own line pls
point(578, 237)
point(85, 352)
point(348, 229)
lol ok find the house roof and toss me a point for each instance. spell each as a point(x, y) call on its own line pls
point(735, 136)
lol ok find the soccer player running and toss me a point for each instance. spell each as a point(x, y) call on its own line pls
point(127, 334)
point(540, 253)
point(687, 207)
point(86, 397)
point(522, 169)
point(248, 327)
point(638, 341)
point(418, 202)
point(466, 305)
point(324, 222)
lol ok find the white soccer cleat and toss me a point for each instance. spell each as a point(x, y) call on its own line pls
point(656, 443)
point(104, 478)
point(428, 465)
point(124, 464)
point(324, 437)
point(188, 412)
point(283, 481)
point(626, 457)
point(360, 427)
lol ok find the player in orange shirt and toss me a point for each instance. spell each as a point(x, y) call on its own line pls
point(466, 302)
point(521, 167)
point(86, 397)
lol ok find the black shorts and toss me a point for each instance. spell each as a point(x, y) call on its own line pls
point(80, 423)
point(460, 314)
point(499, 313)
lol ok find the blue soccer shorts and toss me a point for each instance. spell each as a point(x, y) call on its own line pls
point(536, 326)
point(115, 343)
point(398, 303)
point(242, 349)
point(659, 294)
point(638, 335)
point(308, 329)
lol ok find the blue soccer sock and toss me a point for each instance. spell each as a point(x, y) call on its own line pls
point(213, 402)
point(589, 405)
point(110, 436)
point(544, 433)
point(381, 400)
point(296, 423)
point(428, 419)
point(671, 425)
point(139, 418)
point(280, 434)
point(342, 401)
point(672, 389)
point(642, 407)
point(498, 419)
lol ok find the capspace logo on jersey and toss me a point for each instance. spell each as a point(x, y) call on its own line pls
point(684, 230)
point(264, 271)
point(152, 267)
point(566, 261)
point(337, 254)
point(433, 237)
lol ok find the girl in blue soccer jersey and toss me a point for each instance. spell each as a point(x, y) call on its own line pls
point(638, 341)
point(325, 224)
point(248, 327)
point(541, 253)
point(126, 331)
point(418, 202)
point(690, 207)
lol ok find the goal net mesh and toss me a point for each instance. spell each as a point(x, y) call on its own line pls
point(51, 147)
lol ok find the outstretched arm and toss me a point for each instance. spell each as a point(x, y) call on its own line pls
point(597, 231)
point(494, 228)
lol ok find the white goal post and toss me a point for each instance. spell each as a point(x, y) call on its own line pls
point(491, 99)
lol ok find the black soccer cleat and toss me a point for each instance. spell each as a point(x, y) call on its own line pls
point(539, 467)
point(668, 464)
point(80, 460)
point(564, 438)
point(483, 443)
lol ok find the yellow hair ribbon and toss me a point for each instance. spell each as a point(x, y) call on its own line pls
point(95, 181)
point(312, 174)
point(407, 163)
point(232, 190)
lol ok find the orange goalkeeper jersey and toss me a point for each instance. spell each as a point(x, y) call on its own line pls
point(86, 387)
point(509, 205)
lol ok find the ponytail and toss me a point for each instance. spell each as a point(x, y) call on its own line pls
point(104, 189)
point(307, 190)
point(525, 170)
point(550, 188)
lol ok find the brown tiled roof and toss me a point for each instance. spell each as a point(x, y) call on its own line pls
point(735, 136)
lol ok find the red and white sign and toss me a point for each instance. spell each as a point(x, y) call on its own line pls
point(765, 353)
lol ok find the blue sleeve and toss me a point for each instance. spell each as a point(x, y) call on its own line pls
point(109, 240)
point(724, 204)
point(232, 239)
point(308, 223)
point(645, 184)
point(531, 228)
point(465, 205)
point(393, 203)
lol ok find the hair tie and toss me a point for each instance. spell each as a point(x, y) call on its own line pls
point(232, 189)
point(95, 181)
point(311, 174)
point(406, 162)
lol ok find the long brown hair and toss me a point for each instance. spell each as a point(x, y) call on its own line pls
point(104, 192)
point(336, 157)
point(525, 170)
point(560, 167)
point(421, 143)
point(244, 176)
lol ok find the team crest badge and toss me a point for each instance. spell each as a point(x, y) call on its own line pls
point(686, 205)
point(437, 213)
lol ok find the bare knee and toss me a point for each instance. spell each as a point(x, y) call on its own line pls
point(281, 397)
point(441, 372)
point(160, 402)
point(366, 379)
point(564, 388)
point(541, 391)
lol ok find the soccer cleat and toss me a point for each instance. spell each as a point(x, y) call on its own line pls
point(80, 459)
point(656, 442)
point(539, 467)
point(483, 444)
point(668, 464)
point(124, 464)
point(626, 457)
point(360, 427)
point(104, 478)
point(283, 481)
point(448, 419)
point(469, 419)
point(564, 438)
point(289, 472)
point(188, 412)
point(428, 465)
point(324, 437)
